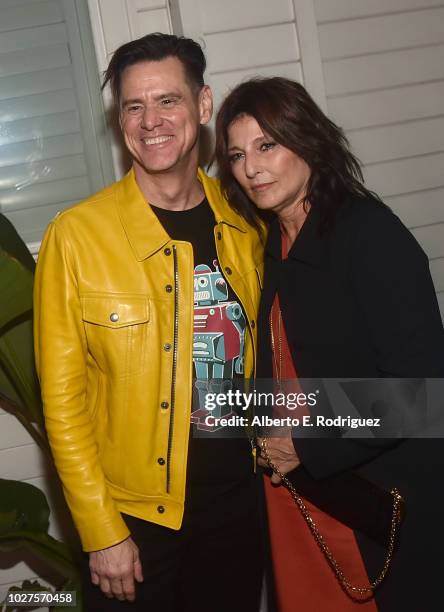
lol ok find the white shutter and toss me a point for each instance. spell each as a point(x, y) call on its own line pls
point(53, 144)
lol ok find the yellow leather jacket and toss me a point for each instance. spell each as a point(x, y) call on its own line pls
point(113, 344)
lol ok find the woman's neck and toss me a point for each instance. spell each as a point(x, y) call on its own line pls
point(292, 220)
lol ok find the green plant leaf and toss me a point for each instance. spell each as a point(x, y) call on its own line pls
point(24, 521)
point(11, 242)
point(27, 502)
point(55, 554)
point(18, 380)
point(16, 284)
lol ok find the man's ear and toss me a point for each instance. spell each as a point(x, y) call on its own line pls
point(205, 104)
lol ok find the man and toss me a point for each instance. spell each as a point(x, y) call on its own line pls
point(115, 318)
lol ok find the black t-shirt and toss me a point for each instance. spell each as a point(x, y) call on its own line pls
point(219, 458)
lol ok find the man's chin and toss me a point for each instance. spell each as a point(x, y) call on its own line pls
point(156, 166)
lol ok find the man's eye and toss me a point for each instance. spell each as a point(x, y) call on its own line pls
point(168, 101)
point(266, 146)
point(235, 157)
point(133, 108)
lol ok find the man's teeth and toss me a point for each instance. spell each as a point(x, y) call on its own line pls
point(157, 140)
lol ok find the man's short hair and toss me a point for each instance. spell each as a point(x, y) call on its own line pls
point(153, 48)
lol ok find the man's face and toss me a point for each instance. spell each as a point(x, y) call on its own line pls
point(160, 115)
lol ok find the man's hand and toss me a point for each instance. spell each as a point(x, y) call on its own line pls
point(114, 569)
point(282, 454)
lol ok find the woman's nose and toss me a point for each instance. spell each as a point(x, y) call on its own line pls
point(252, 167)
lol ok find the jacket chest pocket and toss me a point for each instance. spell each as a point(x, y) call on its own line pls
point(117, 327)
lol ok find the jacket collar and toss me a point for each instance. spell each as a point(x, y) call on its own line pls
point(309, 246)
point(144, 231)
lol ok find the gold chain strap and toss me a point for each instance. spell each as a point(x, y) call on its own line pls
point(343, 581)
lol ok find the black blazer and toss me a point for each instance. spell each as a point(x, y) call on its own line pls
point(358, 301)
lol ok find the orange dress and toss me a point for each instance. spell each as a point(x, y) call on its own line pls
point(304, 580)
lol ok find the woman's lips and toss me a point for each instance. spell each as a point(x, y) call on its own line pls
point(261, 187)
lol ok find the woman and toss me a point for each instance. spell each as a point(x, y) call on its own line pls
point(347, 294)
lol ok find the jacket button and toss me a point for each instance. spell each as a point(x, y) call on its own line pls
point(167, 251)
point(161, 461)
point(164, 405)
point(160, 509)
point(167, 346)
point(219, 236)
point(253, 324)
point(228, 270)
point(114, 317)
point(168, 288)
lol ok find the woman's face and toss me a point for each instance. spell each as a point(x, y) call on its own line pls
point(271, 175)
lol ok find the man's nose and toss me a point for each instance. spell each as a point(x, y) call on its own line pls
point(151, 118)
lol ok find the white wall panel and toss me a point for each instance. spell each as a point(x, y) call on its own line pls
point(440, 297)
point(21, 462)
point(430, 238)
point(114, 24)
point(406, 175)
point(144, 22)
point(220, 16)
point(382, 33)
point(399, 140)
point(146, 5)
point(437, 272)
point(252, 47)
point(223, 82)
point(420, 207)
point(388, 106)
point(12, 432)
point(384, 70)
point(335, 10)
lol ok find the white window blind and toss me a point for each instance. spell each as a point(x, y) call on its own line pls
point(53, 143)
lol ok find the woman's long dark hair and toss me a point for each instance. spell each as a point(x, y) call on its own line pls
point(285, 112)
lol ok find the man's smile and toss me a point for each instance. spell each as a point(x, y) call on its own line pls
point(155, 140)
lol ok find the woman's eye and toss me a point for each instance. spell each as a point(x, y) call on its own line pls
point(266, 146)
point(134, 108)
point(235, 157)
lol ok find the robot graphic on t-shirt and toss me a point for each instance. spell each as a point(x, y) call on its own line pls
point(219, 332)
